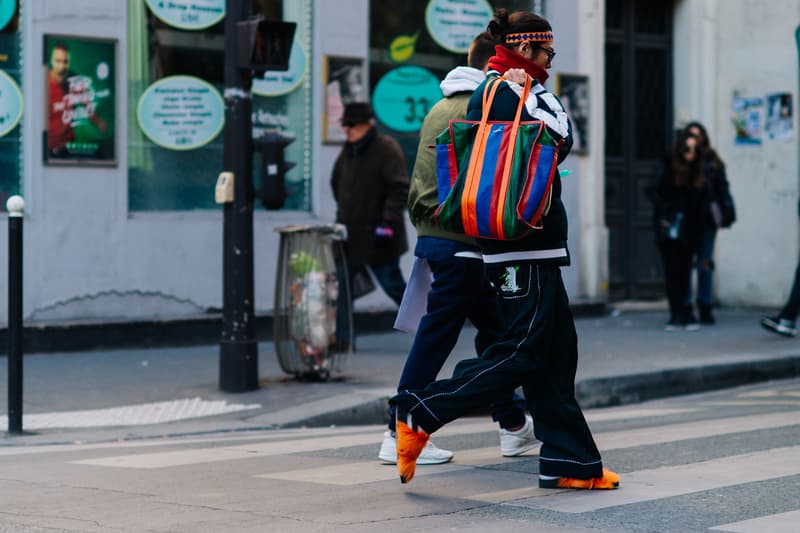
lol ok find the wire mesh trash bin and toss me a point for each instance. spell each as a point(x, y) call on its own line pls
point(310, 339)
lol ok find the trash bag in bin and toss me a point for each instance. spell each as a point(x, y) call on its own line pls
point(311, 277)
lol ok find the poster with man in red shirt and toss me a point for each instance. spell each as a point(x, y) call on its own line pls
point(81, 103)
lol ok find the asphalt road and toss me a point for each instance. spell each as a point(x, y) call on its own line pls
point(721, 461)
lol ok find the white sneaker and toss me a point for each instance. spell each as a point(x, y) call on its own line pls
point(431, 454)
point(513, 443)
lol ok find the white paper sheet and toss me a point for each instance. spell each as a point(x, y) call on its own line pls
point(415, 299)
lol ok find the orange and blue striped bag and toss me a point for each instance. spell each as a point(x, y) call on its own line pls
point(494, 177)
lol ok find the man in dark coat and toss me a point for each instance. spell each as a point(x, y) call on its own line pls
point(370, 185)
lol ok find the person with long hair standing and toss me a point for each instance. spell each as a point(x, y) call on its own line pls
point(719, 213)
point(538, 349)
point(680, 198)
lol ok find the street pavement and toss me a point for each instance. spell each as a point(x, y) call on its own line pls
point(726, 460)
point(625, 358)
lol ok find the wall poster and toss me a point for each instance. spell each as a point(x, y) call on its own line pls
point(343, 78)
point(778, 124)
point(747, 120)
point(80, 122)
point(573, 91)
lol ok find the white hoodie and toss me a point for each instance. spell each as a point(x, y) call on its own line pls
point(461, 79)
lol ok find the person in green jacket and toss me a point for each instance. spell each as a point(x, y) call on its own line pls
point(459, 289)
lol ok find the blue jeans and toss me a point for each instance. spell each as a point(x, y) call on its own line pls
point(459, 291)
point(705, 268)
point(390, 278)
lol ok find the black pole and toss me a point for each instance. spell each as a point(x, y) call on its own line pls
point(15, 207)
point(238, 361)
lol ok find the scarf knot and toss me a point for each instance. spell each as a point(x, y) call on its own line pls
point(505, 58)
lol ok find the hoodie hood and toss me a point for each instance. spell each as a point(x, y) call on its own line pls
point(461, 79)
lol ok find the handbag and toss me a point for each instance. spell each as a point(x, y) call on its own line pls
point(728, 211)
point(495, 177)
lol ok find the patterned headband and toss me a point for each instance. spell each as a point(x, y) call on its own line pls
point(535, 36)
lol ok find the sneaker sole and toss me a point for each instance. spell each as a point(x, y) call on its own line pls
point(421, 462)
point(773, 327)
point(520, 451)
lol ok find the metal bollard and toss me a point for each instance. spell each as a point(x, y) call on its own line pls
point(15, 206)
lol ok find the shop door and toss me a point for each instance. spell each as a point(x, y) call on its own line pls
point(638, 133)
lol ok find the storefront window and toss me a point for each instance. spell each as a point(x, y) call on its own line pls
point(412, 47)
point(11, 103)
point(175, 67)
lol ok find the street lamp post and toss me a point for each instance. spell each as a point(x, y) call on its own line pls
point(238, 362)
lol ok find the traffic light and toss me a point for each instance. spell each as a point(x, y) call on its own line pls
point(264, 44)
point(273, 170)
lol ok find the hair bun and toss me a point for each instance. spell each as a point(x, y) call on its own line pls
point(494, 29)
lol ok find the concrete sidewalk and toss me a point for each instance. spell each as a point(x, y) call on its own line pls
point(625, 357)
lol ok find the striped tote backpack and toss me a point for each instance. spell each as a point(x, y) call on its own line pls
point(494, 177)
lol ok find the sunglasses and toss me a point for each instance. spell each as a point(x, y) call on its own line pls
point(549, 51)
point(349, 124)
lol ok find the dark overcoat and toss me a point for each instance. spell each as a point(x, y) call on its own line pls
point(370, 185)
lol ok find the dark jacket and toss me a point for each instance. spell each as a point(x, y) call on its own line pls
point(669, 199)
point(370, 185)
point(553, 234)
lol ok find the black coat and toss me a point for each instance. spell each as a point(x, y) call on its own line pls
point(669, 199)
point(370, 185)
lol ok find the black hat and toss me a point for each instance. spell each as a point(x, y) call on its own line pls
point(356, 113)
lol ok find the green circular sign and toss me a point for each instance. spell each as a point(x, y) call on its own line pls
point(10, 103)
point(404, 95)
point(7, 9)
point(181, 112)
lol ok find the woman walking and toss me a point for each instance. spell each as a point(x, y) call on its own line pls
point(538, 349)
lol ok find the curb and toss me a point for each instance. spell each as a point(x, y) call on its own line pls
point(195, 330)
point(623, 390)
point(609, 391)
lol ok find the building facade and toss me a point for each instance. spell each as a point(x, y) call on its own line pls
point(120, 217)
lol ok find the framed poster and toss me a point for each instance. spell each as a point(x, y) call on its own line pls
point(573, 91)
point(344, 83)
point(80, 95)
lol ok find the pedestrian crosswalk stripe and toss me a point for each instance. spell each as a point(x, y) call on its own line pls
point(612, 440)
point(776, 523)
point(694, 430)
point(304, 445)
point(606, 441)
point(372, 471)
point(745, 403)
point(669, 481)
point(173, 441)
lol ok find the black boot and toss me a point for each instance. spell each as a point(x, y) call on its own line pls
point(706, 316)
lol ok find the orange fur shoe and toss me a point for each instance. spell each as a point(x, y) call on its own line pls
point(409, 445)
point(610, 480)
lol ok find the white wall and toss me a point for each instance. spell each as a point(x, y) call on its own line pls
point(745, 46)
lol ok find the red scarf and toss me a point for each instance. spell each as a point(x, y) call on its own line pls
point(505, 58)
